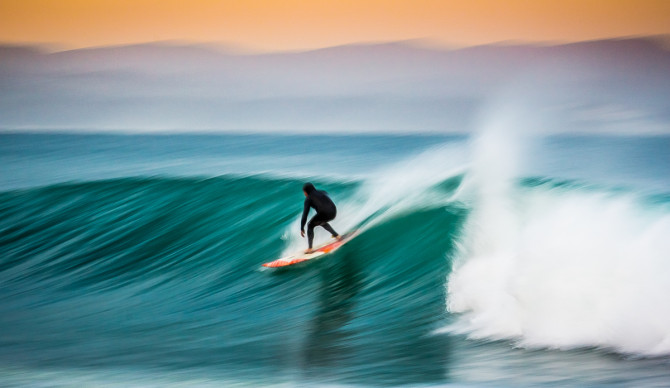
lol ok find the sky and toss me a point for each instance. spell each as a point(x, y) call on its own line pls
point(285, 25)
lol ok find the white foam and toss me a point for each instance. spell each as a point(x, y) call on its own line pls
point(558, 268)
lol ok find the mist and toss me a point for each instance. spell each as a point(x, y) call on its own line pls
point(613, 86)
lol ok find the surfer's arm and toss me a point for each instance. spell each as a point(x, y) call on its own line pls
point(305, 210)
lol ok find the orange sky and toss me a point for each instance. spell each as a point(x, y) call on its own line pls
point(303, 24)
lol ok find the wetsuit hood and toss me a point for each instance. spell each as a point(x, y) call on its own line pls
point(308, 188)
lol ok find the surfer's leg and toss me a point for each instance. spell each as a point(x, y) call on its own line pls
point(327, 218)
point(330, 230)
point(310, 234)
point(318, 220)
point(314, 222)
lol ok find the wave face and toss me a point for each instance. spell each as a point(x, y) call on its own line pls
point(139, 280)
point(155, 273)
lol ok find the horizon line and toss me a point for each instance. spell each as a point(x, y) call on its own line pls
point(236, 49)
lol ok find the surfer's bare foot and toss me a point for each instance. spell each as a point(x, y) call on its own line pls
point(309, 250)
point(338, 238)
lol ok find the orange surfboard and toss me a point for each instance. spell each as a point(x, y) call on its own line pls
point(318, 252)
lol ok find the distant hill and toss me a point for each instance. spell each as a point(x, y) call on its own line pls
point(381, 87)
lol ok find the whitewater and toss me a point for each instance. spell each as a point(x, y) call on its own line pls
point(497, 258)
point(559, 265)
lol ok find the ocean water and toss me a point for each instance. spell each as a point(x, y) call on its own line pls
point(486, 260)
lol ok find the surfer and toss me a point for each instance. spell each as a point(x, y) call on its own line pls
point(325, 212)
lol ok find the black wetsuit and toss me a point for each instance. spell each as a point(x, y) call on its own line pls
point(325, 211)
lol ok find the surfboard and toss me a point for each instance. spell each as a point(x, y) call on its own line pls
point(319, 251)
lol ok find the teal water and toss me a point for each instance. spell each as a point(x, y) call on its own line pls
point(135, 261)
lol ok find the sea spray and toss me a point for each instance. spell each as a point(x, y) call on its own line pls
point(487, 251)
point(559, 268)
